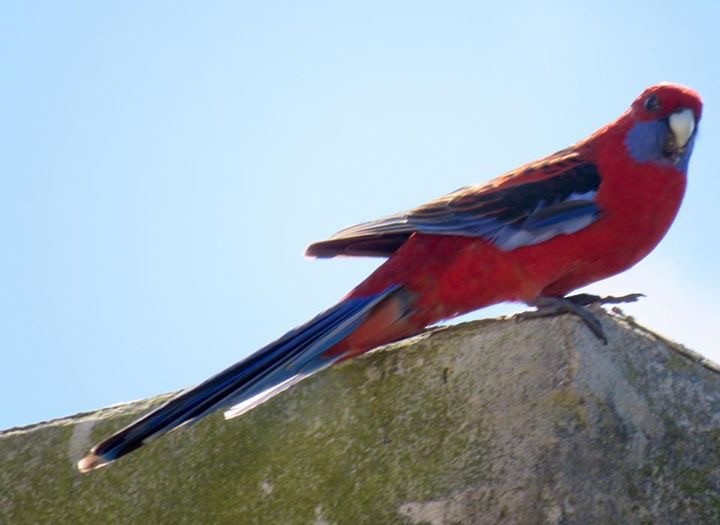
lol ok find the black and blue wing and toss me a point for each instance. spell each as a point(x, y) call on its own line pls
point(528, 212)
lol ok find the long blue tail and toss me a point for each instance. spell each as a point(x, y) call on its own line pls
point(270, 370)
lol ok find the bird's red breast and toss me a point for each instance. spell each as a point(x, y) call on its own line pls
point(638, 196)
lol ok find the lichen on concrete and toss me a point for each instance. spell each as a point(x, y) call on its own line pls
point(486, 422)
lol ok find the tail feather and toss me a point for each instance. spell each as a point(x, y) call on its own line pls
point(267, 372)
point(251, 401)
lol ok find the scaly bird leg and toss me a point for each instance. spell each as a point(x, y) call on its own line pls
point(549, 306)
point(586, 299)
point(575, 304)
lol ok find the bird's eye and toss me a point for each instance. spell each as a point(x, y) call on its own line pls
point(652, 103)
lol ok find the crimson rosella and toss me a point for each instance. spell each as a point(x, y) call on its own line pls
point(532, 235)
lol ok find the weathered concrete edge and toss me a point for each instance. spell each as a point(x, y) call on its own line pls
point(142, 405)
point(694, 356)
point(483, 422)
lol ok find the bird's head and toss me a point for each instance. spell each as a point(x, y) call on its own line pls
point(663, 123)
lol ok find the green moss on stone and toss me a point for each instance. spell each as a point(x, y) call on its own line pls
point(483, 423)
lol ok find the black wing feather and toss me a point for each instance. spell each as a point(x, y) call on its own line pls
point(510, 216)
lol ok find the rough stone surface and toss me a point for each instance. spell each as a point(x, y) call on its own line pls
point(487, 422)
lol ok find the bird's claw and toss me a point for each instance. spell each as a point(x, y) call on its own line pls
point(586, 299)
point(550, 306)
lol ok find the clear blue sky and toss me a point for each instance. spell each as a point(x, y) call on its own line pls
point(163, 165)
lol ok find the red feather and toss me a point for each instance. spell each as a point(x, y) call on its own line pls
point(451, 276)
point(538, 232)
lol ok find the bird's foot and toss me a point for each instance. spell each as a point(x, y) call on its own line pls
point(586, 299)
point(575, 304)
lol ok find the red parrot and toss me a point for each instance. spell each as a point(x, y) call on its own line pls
point(532, 235)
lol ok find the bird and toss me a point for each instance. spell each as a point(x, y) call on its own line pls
point(532, 236)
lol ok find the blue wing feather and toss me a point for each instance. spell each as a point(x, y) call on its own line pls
point(510, 217)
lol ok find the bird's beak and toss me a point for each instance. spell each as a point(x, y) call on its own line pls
point(682, 125)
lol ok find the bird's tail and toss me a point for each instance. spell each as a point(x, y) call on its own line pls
point(298, 354)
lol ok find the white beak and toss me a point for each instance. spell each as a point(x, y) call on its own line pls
point(682, 124)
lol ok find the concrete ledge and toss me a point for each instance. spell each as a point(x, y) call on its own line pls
point(487, 422)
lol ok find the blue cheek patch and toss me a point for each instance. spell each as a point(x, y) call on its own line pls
point(645, 142)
